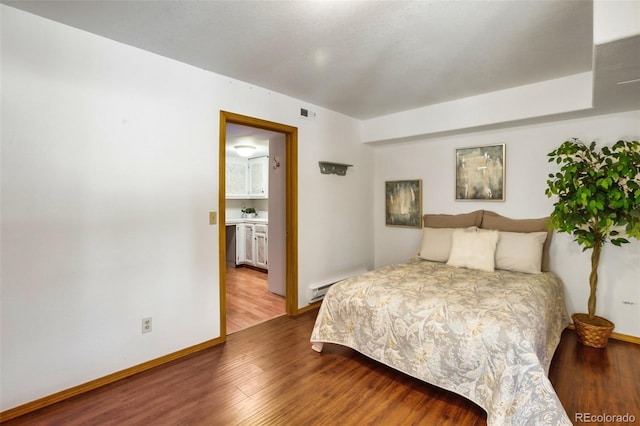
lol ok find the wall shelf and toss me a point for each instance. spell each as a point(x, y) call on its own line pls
point(328, 168)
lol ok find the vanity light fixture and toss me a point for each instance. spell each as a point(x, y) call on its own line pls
point(244, 150)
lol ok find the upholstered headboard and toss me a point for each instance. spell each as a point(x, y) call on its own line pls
point(486, 219)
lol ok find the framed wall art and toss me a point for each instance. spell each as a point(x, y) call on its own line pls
point(480, 173)
point(404, 203)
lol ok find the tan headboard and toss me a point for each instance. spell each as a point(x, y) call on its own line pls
point(490, 220)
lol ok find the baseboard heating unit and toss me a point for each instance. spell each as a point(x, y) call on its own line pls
point(318, 290)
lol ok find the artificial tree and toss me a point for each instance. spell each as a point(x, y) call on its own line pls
point(598, 195)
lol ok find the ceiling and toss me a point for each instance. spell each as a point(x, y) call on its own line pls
point(364, 59)
point(238, 134)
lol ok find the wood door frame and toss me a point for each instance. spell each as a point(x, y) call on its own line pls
point(291, 209)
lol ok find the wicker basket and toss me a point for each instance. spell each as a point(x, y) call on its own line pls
point(594, 333)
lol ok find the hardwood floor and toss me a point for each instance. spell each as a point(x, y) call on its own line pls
point(268, 375)
point(597, 381)
point(249, 301)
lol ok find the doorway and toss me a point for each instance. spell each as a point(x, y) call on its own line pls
point(289, 233)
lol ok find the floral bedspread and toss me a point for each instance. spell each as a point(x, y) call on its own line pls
point(488, 336)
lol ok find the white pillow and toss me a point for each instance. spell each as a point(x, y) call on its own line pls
point(436, 243)
point(520, 251)
point(473, 250)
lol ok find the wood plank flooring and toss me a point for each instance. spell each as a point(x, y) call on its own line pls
point(597, 381)
point(268, 375)
point(249, 301)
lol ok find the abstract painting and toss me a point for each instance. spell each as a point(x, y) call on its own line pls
point(480, 173)
point(404, 203)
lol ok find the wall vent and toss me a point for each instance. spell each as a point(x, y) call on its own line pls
point(305, 113)
point(318, 291)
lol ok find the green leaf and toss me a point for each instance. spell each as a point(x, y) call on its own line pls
point(619, 241)
point(590, 200)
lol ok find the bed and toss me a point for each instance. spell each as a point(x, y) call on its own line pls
point(486, 333)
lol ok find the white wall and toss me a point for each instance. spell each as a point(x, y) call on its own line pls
point(527, 168)
point(109, 170)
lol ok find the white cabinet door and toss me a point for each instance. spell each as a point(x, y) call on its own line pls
point(260, 246)
point(247, 178)
point(236, 177)
point(240, 245)
point(259, 177)
point(244, 244)
point(249, 248)
point(251, 245)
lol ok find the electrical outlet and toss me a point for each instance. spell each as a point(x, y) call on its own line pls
point(146, 325)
